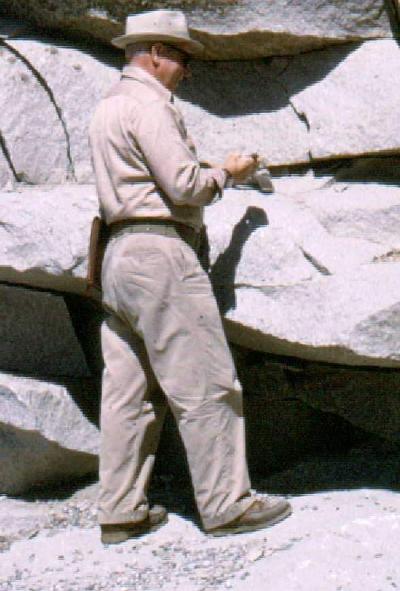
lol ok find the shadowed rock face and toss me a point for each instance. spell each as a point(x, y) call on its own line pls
point(230, 29)
point(367, 398)
point(36, 335)
point(321, 105)
point(44, 436)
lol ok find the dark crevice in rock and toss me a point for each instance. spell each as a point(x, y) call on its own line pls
point(43, 82)
point(392, 8)
point(320, 268)
point(7, 156)
point(301, 116)
point(396, 7)
point(383, 168)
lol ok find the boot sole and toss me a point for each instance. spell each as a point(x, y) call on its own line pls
point(118, 537)
point(244, 528)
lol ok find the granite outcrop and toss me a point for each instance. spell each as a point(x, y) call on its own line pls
point(306, 275)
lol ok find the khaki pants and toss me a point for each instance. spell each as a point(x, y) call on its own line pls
point(164, 328)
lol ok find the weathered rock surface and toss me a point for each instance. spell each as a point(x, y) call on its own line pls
point(289, 279)
point(289, 286)
point(49, 92)
point(348, 99)
point(63, 86)
point(229, 29)
point(317, 106)
point(232, 106)
point(44, 435)
point(44, 235)
point(372, 216)
point(253, 28)
point(327, 104)
point(295, 244)
point(36, 335)
point(27, 112)
point(350, 318)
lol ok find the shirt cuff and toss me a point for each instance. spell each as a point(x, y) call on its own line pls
point(220, 178)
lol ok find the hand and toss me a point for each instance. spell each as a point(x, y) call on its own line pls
point(241, 166)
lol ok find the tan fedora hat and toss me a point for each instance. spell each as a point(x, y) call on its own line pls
point(169, 26)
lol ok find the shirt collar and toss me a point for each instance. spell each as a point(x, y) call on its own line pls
point(141, 75)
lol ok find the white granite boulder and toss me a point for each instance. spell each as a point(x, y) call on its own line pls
point(242, 106)
point(255, 28)
point(292, 276)
point(48, 96)
point(329, 104)
point(31, 130)
point(289, 286)
point(335, 103)
point(370, 214)
point(44, 436)
point(51, 92)
point(348, 98)
point(44, 235)
point(229, 29)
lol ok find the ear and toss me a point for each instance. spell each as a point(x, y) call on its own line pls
point(156, 50)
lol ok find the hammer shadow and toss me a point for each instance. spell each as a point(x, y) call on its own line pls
point(222, 273)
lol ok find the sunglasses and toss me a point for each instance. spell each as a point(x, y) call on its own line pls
point(178, 55)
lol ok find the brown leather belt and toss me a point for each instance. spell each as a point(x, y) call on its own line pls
point(158, 226)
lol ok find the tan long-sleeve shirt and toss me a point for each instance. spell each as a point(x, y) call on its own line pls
point(144, 160)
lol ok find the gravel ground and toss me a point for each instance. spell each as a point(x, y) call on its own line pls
point(336, 540)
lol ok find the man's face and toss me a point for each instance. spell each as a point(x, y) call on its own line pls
point(174, 65)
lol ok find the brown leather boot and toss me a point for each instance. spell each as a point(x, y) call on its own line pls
point(265, 511)
point(115, 533)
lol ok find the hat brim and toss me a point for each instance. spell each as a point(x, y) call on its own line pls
point(188, 45)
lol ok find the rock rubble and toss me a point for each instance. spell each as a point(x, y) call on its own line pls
point(341, 537)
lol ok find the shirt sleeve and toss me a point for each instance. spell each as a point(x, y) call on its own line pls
point(174, 165)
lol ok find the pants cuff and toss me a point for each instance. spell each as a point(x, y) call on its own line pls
point(233, 512)
point(106, 518)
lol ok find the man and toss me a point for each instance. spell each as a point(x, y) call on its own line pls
point(163, 329)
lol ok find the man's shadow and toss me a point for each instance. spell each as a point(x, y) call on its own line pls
point(222, 273)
